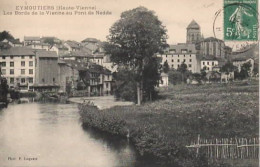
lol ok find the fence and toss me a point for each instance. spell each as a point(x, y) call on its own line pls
point(233, 148)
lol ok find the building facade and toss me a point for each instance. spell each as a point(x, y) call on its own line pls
point(213, 47)
point(209, 64)
point(177, 54)
point(18, 67)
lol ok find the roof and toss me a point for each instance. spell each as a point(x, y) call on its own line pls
point(212, 39)
point(60, 47)
point(193, 25)
point(179, 47)
point(32, 38)
point(252, 52)
point(44, 53)
point(209, 57)
point(93, 40)
point(17, 51)
point(73, 44)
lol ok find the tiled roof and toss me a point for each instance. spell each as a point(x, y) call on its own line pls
point(193, 24)
point(17, 51)
point(209, 57)
point(44, 53)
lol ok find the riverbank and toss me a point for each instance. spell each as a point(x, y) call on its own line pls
point(101, 102)
point(163, 128)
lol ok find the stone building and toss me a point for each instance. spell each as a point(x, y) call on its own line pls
point(193, 33)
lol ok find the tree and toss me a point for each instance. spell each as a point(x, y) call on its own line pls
point(245, 70)
point(5, 35)
point(182, 69)
point(166, 67)
point(134, 40)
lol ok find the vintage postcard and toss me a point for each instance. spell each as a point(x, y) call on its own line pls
point(118, 83)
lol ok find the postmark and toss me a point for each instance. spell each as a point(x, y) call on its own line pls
point(240, 20)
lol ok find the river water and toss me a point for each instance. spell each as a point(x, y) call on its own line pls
point(35, 134)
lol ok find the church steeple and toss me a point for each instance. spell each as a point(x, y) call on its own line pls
point(193, 32)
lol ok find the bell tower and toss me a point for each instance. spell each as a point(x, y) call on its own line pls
point(193, 33)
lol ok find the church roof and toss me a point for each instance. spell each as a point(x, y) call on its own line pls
point(193, 24)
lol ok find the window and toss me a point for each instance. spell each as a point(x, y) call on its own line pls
point(30, 80)
point(30, 71)
point(166, 55)
point(3, 64)
point(3, 71)
point(106, 85)
point(184, 60)
point(53, 79)
point(11, 57)
point(203, 63)
point(22, 80)
point(43, 80)
point(22, 57)
point(189, 65)
point(11, 80)
point(207, 63)
point(178, 60)
point(11, 71)
point(30, 57)
point(178, 55)
point(213, 63)
point(23, 63)
point(11, 64)
point(22, 71)
point(172, 65)
point(172, 60)
point(184, 55)
point(3, 57)
point(190, 55)
point(30, 63)
point(190, 60)
point(178, 65)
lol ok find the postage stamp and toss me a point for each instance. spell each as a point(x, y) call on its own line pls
point(240, 20)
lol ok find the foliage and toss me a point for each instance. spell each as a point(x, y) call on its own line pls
point(228, 67)
point(134, 40)
point(163, 128)
point(183, 69)
point(244, 72)
point(5, 35)
point(175, 77)
point(166, 67)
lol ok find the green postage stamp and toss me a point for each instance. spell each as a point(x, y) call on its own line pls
point(241, 20)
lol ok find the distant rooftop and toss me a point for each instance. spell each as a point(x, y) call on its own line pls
point(193, 25)
point(32, 38)
point(17, 51)
point(44, 53)
point(190, 48)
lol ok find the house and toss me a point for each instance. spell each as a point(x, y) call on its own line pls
point(13, 42)
point(72, 45)
point(28, 40)
point(90, 76)
point(46, 71)
point(18, 67)
point(42, 46)
point(177, 54)
point(209, 63)
point(60, 49)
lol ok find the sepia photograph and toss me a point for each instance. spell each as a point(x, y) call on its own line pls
point(119, 83)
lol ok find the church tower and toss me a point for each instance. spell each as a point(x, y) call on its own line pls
point(193, 32)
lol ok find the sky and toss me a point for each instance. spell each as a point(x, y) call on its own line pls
point(174, 14)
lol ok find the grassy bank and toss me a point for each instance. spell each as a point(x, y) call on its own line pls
point(163, 128)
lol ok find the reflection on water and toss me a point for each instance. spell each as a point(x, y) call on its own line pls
point(52, 135)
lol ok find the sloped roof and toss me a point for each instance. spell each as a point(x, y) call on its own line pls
point(32, 38)
point(73, 44)
point(193, 24)
point(183, 46)
point(212, 39)
point(252, 52)
point(209, 57)
point(17, 51)
point(93, 40)
point(44, 53)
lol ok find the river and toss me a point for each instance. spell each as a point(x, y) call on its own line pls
point(34, 134)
